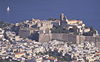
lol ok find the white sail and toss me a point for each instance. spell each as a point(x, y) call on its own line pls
point(8, 9)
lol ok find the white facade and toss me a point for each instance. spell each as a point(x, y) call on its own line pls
point(1, 33)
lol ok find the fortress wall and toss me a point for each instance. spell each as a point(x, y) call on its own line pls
point(44, 37)
point(72, 38)
point(24, 33)
point(98, 41)
point(90, 38)
point(86, 38)
point(69, 38)
point(56, 36)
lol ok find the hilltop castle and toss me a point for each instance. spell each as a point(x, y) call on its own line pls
point(72, 31)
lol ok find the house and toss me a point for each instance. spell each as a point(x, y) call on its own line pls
point(1, 33)
point(19, 54)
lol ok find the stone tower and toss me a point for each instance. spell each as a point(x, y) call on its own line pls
point(62, 16)
point(63, 19)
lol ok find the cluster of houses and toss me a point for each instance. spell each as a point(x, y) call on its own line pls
point(52, 51)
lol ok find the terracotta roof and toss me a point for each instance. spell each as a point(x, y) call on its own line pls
point(51, 58)
point(97, 52)
point(74, 20)
point(20, 53)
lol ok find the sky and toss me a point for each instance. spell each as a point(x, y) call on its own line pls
point(20, 10)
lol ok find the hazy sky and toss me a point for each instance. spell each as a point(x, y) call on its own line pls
point(86, 10)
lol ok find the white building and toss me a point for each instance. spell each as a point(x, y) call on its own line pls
point(1, 33)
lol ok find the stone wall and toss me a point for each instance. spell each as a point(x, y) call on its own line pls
point(24, 33)
point(69, 38)
point(44, 37)
point(98, 41)
point(56, 36)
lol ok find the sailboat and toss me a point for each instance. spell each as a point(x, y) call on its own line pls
point(8, 9)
